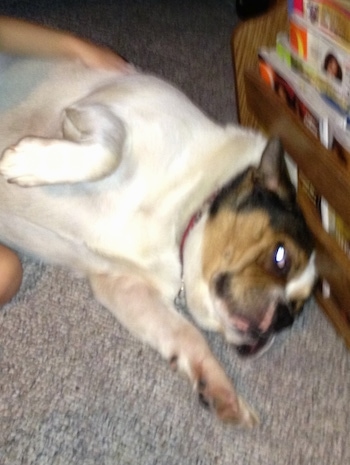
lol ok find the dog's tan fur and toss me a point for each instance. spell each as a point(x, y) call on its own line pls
point(102, 173)
point(248, 258)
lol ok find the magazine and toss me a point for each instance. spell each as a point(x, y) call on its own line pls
point(328, 57)
point(332, 16)
point(299, 95)
point(331, 89)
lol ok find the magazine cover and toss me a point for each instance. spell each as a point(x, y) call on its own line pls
point(330, 88)
point(327, 56)
point(300, 96)
point(332, 16)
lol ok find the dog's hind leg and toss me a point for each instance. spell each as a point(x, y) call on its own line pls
point(139, 307)
point(91, 149)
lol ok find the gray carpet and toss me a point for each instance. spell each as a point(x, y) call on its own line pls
point(77, 389)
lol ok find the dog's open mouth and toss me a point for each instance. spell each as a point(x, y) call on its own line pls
point(257, 347)
point(259, 344)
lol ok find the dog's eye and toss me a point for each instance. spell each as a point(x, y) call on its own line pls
point(281, 260)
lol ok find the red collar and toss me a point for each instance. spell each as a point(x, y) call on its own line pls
point(193, 221)
point(180, 298)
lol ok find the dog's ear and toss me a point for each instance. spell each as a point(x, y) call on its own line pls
point(273, 171)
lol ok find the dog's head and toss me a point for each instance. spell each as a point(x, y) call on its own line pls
point(257, 264)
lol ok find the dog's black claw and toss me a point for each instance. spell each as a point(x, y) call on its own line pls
point(201, 384)
point(173, 362)
point(203, 401)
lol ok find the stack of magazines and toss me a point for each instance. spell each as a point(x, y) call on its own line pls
point(309, 69)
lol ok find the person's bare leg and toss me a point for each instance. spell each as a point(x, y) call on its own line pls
point(10, 274)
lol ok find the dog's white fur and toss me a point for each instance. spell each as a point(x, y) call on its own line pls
point(114, 168)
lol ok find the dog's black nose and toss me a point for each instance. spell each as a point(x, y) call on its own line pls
point(283, 317)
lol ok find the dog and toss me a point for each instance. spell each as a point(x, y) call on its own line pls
point(124, 179)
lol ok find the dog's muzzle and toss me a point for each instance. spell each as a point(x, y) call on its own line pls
point(262, 341)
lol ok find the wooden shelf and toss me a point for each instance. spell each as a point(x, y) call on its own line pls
point(331, 309)
point(324, 240)
point(247, 38)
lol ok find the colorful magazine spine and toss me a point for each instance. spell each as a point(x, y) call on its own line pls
point(295, 6)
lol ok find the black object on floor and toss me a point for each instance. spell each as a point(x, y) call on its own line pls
point(248, 8)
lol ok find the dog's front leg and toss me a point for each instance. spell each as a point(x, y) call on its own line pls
point(139, 307)
point(91, 148)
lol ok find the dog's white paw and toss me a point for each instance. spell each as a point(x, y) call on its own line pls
point(248, 416)
point(36, 161)
point(217, 393)
point(25, 163)
point(227, 406)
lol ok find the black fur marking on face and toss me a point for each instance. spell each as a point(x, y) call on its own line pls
point(285, 214)
point(267, 187)
point(285, 217)
point(226, 192)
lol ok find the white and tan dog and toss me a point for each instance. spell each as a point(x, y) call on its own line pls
point(104, 173)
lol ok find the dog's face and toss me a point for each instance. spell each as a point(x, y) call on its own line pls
point(257, 254)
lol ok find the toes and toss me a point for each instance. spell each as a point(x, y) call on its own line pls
point(222, 399)
point(249, 418)
point(233, 409)
point(21, 164)
point(202, 394)
point(229, 409)
point(24, 181)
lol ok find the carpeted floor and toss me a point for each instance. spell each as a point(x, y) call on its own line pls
point(77, 389)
